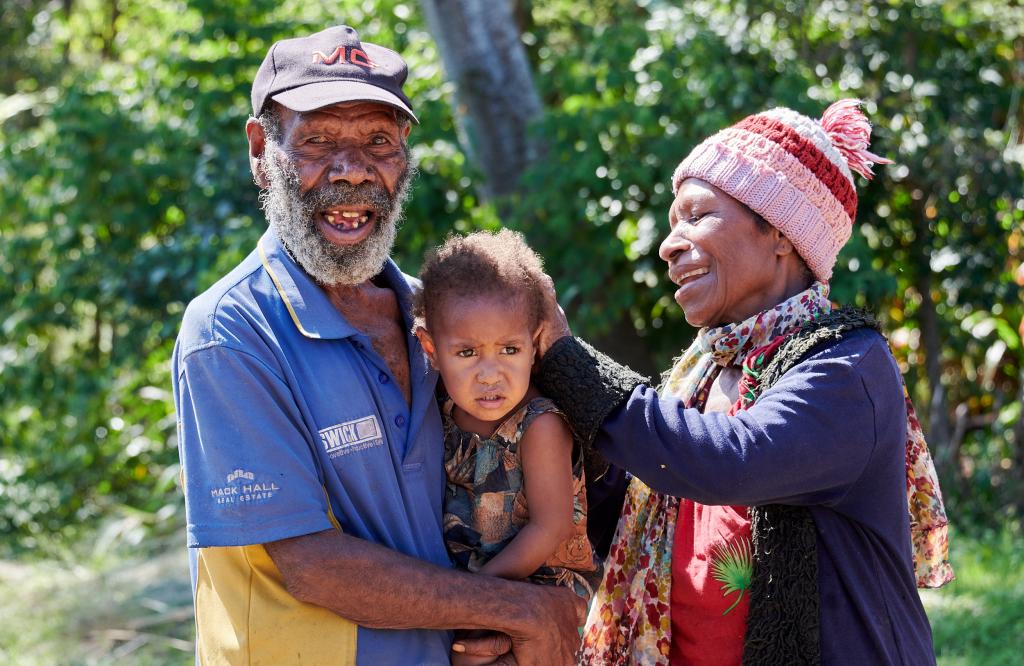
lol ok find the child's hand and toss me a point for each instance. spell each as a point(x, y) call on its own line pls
point(473, 648)
point(462, 659)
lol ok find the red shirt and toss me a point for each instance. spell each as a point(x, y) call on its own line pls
point(712, 546)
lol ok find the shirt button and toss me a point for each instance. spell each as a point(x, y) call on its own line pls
point(400, 421)
point(382, 378)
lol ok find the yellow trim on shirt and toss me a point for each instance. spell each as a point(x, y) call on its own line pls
point(280, 290)
point(245, 616)
point(330, 511)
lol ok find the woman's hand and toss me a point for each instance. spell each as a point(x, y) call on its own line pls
point(553, 325)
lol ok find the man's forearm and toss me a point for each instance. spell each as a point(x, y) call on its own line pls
point(374, 586)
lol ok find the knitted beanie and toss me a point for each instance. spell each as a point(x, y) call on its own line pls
point(793, 171)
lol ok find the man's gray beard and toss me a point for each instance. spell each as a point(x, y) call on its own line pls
point(291, 216)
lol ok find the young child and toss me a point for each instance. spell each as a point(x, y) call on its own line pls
point(515, 505)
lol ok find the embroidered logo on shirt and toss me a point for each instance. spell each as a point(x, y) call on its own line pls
point(241, 487)
point(351, 436)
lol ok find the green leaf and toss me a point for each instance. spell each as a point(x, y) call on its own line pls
point(732, 566)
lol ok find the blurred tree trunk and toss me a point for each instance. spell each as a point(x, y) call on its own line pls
point(111, 36)
point(931, 341)
point(480, 46)
point(66, 50)
point(940, 429)
point(939, 426)
point(625, 345)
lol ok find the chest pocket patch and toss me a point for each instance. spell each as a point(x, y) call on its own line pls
point(360, 434)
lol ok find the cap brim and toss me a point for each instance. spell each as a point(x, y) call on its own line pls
point(318, 95)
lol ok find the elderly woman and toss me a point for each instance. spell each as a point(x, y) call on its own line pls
point(783, 504)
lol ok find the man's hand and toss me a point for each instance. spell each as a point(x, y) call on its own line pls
point(553, 325)
point(549, 630)
point(376, 587)
point(546, 632)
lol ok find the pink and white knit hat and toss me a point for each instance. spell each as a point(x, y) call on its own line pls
point(793, 171)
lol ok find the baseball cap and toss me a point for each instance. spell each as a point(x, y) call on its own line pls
point(328, 67)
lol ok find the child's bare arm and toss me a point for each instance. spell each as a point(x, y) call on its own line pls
point(546, 452)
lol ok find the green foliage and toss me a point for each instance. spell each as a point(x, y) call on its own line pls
point(938, 234)
point(978, 618)
point(125, 191)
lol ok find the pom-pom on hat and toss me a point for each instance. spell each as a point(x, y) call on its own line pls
point(795, 172)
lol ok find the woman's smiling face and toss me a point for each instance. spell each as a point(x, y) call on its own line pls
point(726, 267)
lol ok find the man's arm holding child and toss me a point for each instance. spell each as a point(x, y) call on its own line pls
point(361, 581)
point(377, 587)
point(546, 453)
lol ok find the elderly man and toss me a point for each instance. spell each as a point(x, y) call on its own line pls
point(309, 436)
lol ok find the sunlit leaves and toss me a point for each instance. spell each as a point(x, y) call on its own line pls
point(125, 191)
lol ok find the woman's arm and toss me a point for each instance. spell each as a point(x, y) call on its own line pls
point(546, 453)
point(804, 442)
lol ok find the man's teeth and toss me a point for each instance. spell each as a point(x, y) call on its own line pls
point(347, 219)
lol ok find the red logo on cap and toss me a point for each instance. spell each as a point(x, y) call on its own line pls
point(349, 54)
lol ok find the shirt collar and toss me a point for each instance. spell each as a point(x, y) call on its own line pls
point(311, 310)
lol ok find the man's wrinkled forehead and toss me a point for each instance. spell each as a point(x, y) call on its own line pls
point(345, 114)
point(349, 112)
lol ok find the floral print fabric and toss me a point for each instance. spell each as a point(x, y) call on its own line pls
point(929, 527)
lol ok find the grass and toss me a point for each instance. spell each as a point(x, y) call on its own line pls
point(978, 619)
point(114, 604)
point(121, 603)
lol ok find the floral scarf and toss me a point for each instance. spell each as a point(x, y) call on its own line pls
point(629, 621)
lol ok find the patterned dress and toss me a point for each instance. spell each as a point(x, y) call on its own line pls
point(485, 506)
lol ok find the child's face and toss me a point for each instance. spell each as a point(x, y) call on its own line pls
point(484, 349)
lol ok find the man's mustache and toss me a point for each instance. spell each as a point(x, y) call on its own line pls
point(338, 194)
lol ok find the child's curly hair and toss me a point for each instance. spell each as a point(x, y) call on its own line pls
point(482, 263)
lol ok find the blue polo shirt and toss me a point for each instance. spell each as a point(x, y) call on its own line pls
point(290, 423)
